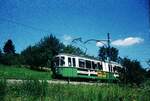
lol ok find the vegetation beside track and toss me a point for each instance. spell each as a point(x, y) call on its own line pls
point(17, 72)
point(33, 90)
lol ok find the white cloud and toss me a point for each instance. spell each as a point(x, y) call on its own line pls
point(100, 44)
point(127, 41)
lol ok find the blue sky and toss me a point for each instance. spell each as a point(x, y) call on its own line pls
point(127, 21)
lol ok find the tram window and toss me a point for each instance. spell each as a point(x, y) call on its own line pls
point(110, 68)
point(81, 63)
point(62, 62)
point(115, 69)
point(99, 66)
point(74, 62)
point(88, 64)
point(93, 65)
point(69, 61)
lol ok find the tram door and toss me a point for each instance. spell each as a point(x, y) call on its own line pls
point(71, 62)
point(71, 71)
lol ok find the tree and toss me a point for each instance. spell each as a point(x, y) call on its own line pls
point(103, 53)
point(113, 54)
point(148, 69)
point(132, 71)
point(49, 47)
point(148, 62)
point(9, 47)
point(73, 50)
point(10, 57)
point(42, 53)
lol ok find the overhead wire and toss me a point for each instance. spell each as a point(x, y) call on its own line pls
point(24, 25)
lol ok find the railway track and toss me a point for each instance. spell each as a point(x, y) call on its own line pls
point(56, 81)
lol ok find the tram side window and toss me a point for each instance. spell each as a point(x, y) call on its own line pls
point(93, 65)
point(88, 64)
point(74, 62)
point(109, 68)
point(81, 63)
point(62, 62)
point(99, 66)
point(69, 61)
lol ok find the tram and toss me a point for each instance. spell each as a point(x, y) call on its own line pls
point(73, 66)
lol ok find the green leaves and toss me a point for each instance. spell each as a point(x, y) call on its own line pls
point(41, 54)
point(105, 52)
point(73, 50)
point(133, 71)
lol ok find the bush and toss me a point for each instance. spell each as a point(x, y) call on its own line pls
point(146, 85)
point(11, 59)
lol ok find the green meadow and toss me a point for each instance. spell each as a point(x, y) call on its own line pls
point(17, 72)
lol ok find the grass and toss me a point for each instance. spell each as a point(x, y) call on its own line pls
point(16, 72)
point(33, 90)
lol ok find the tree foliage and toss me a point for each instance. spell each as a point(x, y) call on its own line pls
point(103, 53)
point(10, 57)
point(9, 47)
point(148, 62)
point(41, 54)
point(148, 69)
point(132, 71)
point(73, 50)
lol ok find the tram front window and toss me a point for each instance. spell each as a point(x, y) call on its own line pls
point(116, 69)
point(56, 61)
point(69, 61)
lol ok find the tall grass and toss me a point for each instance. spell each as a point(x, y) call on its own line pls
point(28, 89)
point(34, 90)
point(3, 89)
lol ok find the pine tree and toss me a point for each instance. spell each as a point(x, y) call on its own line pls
point(9, 47)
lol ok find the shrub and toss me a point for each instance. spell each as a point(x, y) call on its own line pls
point(11, 59)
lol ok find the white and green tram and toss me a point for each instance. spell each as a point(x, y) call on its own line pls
point(72, 66)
